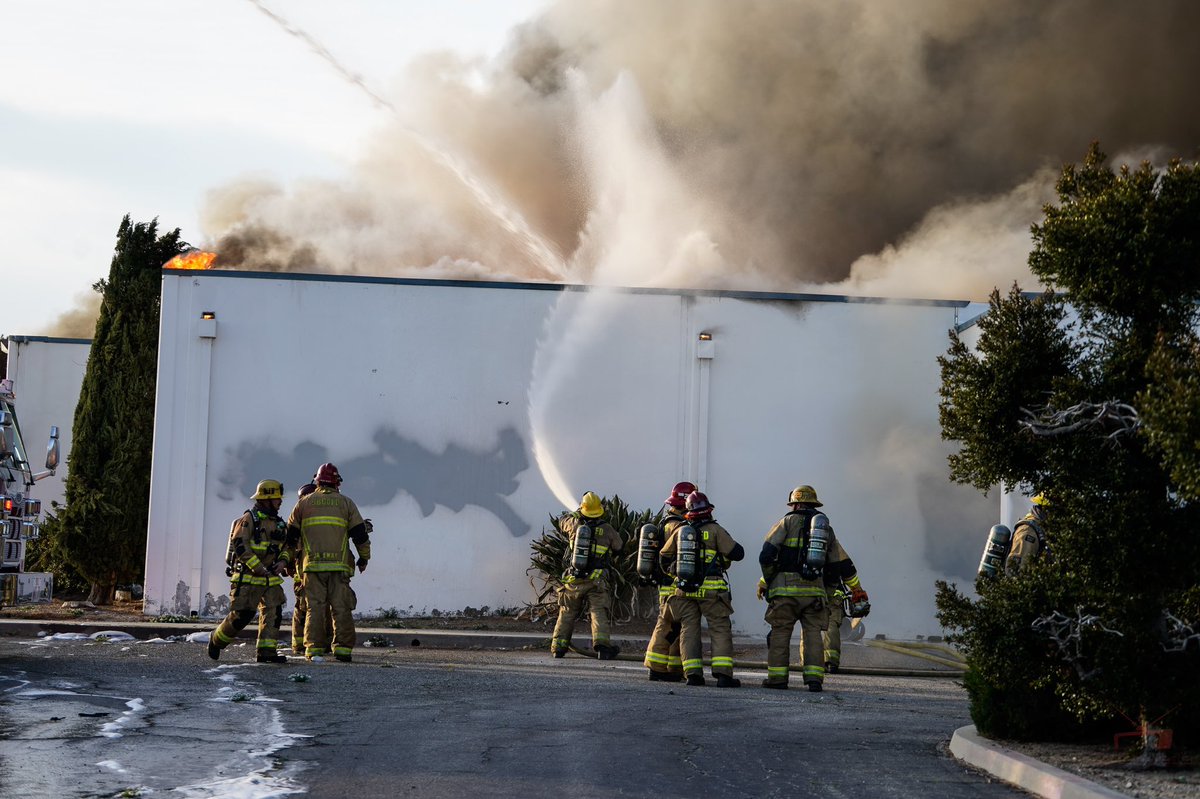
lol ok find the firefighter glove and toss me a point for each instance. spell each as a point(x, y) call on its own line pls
point(761, 593)
point(281, 568)
point(362, 565)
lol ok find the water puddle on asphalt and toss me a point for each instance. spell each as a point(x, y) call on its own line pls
point(199, 741)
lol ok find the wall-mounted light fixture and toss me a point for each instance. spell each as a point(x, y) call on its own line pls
point(706, 348)
point(207, 326)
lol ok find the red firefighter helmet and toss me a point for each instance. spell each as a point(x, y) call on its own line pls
point(698, 505)
point(327, 475)
point(679, 494)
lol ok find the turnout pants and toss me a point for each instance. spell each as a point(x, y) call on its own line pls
point(328, 593)
point(782, 614)
point(716, 608)
point(300, 614)
point(833, 635)
point(570, 602)
point(246, 599)
point(662, 653)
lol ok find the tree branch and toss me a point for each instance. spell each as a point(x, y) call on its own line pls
point(1111, 419)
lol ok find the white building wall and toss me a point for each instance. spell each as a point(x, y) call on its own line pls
point(462, 415)
point(47, 373)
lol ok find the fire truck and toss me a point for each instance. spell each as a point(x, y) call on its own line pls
point(19, 512)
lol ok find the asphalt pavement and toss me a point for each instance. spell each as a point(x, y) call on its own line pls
point(450, 713)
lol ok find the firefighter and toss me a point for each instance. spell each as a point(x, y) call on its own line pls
point(322, 525)
point(705, 592)
point(592, 542)
point(301, 612)
point(1029, 536)
point(662, 653)
point(793, 559)
point(835, 596)
point(257, 562)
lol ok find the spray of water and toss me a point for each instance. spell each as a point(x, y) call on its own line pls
point(542, 253)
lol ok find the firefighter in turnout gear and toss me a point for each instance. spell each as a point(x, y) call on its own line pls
point(1029, 536)
point(591, 542)
point(794, 558)
point(662, 653)
point(300, 614)
point(697, 554)
point(257, 562)
point(322, 525)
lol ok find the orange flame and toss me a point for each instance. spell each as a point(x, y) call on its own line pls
point(193, 259)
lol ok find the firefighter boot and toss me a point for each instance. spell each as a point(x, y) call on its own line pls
point(695, 678)
point(726, 681)
point(665, 676)
point(768, 683)
point(214, 651)
point(269, 656)
point(607, 651)
point(831, 667)
point(814, 686)
point(342, 658)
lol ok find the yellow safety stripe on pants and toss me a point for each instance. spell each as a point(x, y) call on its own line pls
point(814, 671)
point(796, 590)
point(674, 663)
point(717, 662)
point(342, 650)
point(267, 643)
point(832, 656)
point(693, 664)
point(222, 638)
point(776, 672)
point(560, 643)
point(599, 639)
point(314, 651)
point(654, 657)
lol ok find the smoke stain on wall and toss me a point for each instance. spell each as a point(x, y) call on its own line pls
point(453, 478)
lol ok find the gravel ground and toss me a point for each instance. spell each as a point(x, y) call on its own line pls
point(1113, 770)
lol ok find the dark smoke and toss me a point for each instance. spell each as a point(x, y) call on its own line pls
point(753, 143)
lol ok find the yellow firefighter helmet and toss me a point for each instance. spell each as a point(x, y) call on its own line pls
point(269, 489)
point(806, 494)
point(590, 506)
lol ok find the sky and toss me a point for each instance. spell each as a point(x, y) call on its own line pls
point(881, 149)
point(143, 107)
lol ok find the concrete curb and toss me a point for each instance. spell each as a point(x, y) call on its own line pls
point(1022, 771)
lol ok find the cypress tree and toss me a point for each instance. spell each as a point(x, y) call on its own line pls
point(101, 529)
point(1089, 395)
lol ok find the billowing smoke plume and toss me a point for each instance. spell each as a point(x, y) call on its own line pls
point(903, 148)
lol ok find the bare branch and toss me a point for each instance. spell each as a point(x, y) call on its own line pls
point(1111, 419)
point(1179, 635)
point(1067, 634)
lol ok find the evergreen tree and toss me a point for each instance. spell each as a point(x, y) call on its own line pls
point(101, 528)
point(1088, 393)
